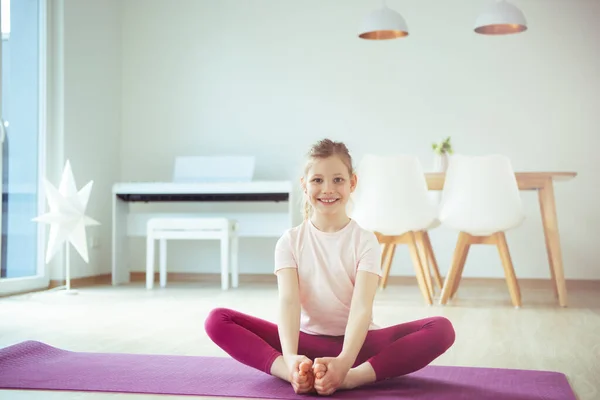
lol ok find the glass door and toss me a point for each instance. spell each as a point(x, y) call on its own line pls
point(22, 135)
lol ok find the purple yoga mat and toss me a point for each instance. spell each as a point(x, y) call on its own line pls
point(35, 365)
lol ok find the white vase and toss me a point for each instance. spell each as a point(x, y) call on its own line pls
point(440, 162)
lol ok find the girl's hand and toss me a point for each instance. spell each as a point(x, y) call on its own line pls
point(330, 373)
point(301, 374)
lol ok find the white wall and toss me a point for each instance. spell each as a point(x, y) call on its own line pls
point(268, 78)
point(87, 106)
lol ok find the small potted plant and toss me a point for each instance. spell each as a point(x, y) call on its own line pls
point(442, 150)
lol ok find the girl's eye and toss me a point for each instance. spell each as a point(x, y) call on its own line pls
point(339, 180)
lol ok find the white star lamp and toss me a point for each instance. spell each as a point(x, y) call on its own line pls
point(67, 219)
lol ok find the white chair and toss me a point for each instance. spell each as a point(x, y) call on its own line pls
point(481, 200)
point(392, 200)
point(164, 229)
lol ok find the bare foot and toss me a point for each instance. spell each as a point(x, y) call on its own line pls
point(303, 380)
point(359, 376)
point(319, 370)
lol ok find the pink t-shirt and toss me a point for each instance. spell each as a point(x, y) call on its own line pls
point(327, 263)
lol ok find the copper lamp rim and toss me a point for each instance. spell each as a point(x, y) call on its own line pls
point(500, 29)
point(384, 34)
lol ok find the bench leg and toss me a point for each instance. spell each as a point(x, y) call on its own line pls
point(225, 263)
point(149, 261)
point(163, 263)
point(234, 262)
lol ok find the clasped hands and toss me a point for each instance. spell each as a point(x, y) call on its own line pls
point(325, 375)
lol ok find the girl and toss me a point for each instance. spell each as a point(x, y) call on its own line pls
point(328, 270)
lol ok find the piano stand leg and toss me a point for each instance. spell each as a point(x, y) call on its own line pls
point(225, 263)
point(234, 262)
point(163, 263)
point(149, 262)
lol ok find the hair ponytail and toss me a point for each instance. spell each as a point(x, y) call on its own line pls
point(306, 209)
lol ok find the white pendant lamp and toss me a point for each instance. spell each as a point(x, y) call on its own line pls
point(500, 18)
point(383, 24)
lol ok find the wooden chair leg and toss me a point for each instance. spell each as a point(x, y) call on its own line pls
point(387, 256)
point(459, 259)
point(509, 271)
point(431, 260)
point(424, 261)
point(384, 249)
point(455, 267)
point(412, 239)
point(461, 265)
point(414, 253)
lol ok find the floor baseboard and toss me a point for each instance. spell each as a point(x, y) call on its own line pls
point(86, 281)
point(179, 277)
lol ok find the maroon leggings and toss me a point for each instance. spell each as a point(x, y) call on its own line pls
point(393, 351)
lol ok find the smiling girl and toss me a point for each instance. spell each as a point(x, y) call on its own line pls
point(328, 269)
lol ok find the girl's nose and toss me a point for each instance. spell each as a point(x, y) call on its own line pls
point(327, 189)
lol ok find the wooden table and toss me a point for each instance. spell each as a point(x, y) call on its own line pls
point(543, 182)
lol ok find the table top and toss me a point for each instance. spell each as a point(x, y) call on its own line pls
point(525, 180)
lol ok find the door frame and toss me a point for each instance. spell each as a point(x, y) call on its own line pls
point(41, 279)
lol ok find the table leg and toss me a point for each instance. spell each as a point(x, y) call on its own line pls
point(120, 269)
point(552, 238)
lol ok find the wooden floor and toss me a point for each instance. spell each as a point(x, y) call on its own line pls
point(490, 332)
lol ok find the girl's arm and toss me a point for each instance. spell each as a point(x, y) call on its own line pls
point(361, 310)
point(289, 311)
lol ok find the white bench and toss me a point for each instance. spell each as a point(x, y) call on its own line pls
point(164, 229)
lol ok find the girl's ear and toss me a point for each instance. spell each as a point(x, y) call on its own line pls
point(353, 182)
point(303, 184)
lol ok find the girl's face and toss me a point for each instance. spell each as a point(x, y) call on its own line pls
point(328, 186)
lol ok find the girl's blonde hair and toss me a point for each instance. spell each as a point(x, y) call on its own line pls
point(322, 149)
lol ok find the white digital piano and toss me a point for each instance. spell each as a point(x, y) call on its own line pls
point(262, 209)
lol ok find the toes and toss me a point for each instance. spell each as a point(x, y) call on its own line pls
point(305, 366)
point(319, 370)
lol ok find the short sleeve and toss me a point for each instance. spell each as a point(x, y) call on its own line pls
point(284, 255)
point(370, 254)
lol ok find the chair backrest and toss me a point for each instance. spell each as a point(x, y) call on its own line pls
point(201, 169)
point(481, 195)
point(391, 195)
